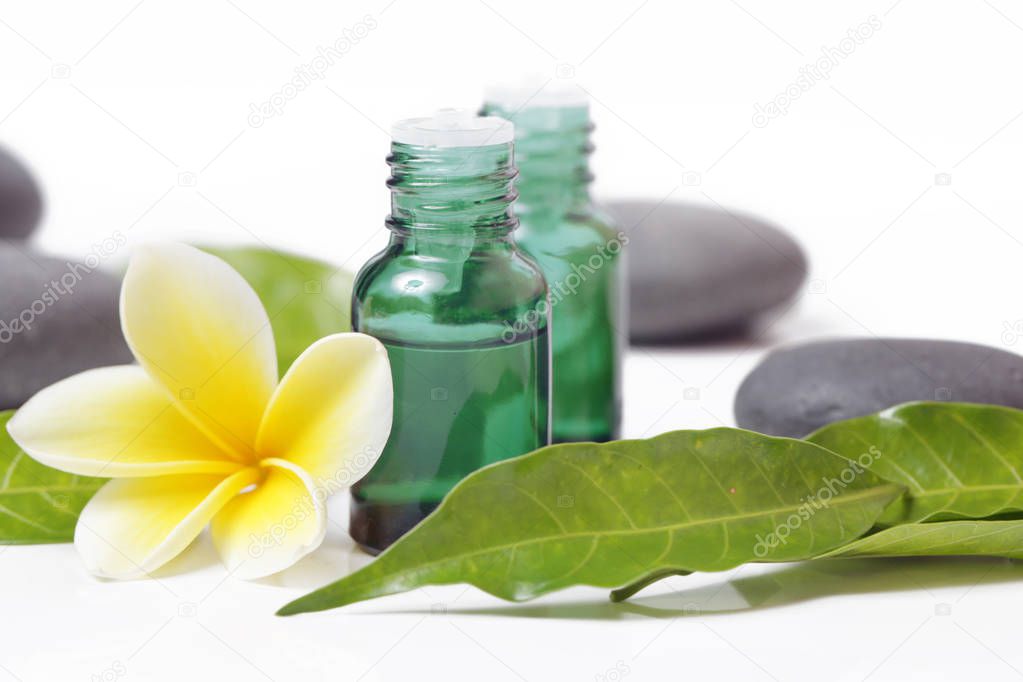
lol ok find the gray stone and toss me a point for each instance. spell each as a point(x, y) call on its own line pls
point(697, 272)
point(57, 318)
point(796, 390)
point(21, 204)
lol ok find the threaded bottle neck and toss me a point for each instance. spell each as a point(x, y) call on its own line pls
point(452, 190)
point(552, 149)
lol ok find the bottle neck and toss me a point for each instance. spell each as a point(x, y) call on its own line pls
point(451, 194)
point(552, 149)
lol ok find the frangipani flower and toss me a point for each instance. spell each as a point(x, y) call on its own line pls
point(201, 431)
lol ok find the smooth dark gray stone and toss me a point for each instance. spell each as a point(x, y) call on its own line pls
point(21, 204)
point(697, 272)
point(796, 390)
point(57, 318)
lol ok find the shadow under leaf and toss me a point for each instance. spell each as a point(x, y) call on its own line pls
point(789, 584)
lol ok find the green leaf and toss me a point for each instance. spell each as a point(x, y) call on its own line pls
point(306, 299)
point(942, 538)
point(956, 460)
point(37, 504)
point(623, 513)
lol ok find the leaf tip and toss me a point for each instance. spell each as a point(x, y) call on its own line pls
point(296, 606)
point(322, 599)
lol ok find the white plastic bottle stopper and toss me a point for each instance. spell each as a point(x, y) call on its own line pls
point(453, 128)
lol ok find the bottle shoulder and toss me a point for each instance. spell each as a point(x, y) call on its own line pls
point(438, 293)
point(400, 272)
point(583, 224)
point(558, 241)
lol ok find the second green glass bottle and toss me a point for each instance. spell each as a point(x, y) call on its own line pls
point(579, 251)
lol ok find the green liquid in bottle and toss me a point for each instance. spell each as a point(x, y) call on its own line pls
point(456, 409)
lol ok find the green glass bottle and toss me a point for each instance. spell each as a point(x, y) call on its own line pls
point(579, 251)
point(441, 297)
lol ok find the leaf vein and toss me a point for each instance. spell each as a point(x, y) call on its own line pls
point(659, 479)
point(998, 455)
point(540, 503)
point(933, 453)
point(596, 485)
point(27, 521)
point(10, 469)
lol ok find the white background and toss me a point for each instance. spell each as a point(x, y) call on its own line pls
point(136, 116)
